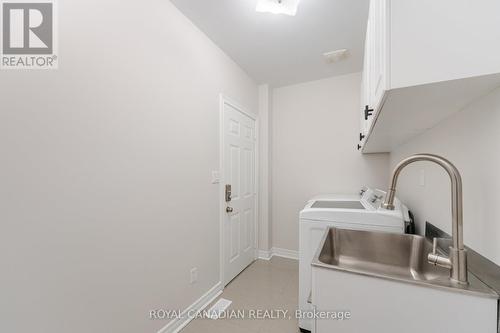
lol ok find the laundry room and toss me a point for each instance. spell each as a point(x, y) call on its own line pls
point(250, 166)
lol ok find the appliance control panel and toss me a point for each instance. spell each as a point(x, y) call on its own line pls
point(372, 197)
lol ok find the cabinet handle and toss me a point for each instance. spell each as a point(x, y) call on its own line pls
point(359, 146)
point(368, 112)
point(361, 136)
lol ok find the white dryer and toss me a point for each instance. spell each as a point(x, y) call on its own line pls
point(361, 211)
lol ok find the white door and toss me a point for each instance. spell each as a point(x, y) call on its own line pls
point(239, 141)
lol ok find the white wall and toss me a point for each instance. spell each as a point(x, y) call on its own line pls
point(471, 140)
point(314, 137)
point(105, 196)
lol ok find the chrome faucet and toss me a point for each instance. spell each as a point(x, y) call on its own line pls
point(457, 260)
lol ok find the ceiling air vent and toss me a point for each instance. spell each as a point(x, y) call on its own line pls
point(335, 56)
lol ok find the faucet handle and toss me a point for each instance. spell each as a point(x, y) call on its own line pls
point(436, 259)
point(434, 245)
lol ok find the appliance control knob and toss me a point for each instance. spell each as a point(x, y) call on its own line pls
point(363, 190)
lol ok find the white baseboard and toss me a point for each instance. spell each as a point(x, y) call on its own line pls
point(265, 254)
point(284, 253)
point(177, 325)
point(278, 252)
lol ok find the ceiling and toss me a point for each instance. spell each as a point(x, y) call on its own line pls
point(280, 49)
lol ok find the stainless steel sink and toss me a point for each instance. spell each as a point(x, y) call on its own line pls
point(391, 256)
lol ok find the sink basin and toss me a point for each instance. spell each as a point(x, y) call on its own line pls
point(397, 255)
point(391, 256)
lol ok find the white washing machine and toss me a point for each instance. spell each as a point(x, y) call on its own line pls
point(361, 211)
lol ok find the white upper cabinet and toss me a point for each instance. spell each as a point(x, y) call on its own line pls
point(377, 58)
point(374, 67)
point(425, 60)
point(365, 90)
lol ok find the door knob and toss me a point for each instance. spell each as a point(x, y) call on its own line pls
point(229, 209)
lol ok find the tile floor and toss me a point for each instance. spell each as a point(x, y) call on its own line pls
point(266, 285)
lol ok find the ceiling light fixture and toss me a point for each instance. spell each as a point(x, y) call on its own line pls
point(287, 7)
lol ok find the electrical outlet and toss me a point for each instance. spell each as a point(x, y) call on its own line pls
point(193, 275)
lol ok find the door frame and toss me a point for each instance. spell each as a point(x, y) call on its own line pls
point(225, 100)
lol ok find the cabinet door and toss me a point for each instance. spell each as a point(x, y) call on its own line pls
point(378, 52)
point(365, 81)
point(363, 101)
